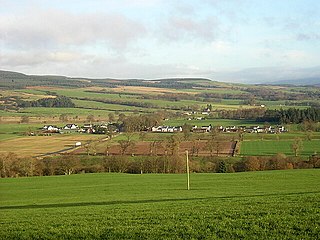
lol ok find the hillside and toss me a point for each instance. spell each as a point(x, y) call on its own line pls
point(15, 80)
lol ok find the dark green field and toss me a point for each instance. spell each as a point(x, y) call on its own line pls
point(253, 205)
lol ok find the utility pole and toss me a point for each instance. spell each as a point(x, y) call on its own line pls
point(188, 174)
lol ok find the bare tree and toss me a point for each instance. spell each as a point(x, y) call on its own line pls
point(297, 146)
point(127, 143)
point(25, 119)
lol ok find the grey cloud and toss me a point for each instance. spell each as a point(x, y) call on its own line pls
point(308, 36)
point(50, 28)
point(34, 58)
point(178, 28)
point(97, 67)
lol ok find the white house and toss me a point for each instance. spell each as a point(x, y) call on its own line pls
point(201, 129)
point(166, 129)
point(71, 127)
point(50, 128)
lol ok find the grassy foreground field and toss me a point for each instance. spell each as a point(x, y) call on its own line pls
point(253, 205)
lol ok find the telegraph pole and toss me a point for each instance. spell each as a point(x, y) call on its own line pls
point(188, 173)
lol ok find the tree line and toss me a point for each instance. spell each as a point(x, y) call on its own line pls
point(282, 116)
point(13, 166)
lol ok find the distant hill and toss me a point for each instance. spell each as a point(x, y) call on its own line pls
point(10, 79)
point(299, 82)
point(13, 80)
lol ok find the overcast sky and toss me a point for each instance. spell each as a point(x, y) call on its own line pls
point(226, 40)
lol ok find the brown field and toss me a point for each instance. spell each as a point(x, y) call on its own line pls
point(136, 89)
point(49, 119)
point(147, 148)
point(44, 88)
point(38, 145)
point(23, 95)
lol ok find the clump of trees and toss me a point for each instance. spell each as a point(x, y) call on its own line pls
point(59, 102)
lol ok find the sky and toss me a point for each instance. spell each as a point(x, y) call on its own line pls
point(225, 40)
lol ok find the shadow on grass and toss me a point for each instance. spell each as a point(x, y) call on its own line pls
point(107, 203)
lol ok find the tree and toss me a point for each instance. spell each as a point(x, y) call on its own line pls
point(126, 144)
point(278, 162)
point(186, 130)
point(296, 146)
point(241, 136)
point(91, 148)
point(63, 117)
point(111, 117)
point(90, 118)
point(222, 167)
point(9, 164)
point(251, 164)
point(142, 136)
point(195, 148)
point(213, 143)
point(309, 135)
point(121, 117)
point(173, 144)
point(24, 119)
point(68, 164)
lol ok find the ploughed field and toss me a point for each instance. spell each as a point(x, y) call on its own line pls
point(251, 205)
point(198, 148)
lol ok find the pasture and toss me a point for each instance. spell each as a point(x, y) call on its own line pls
point(267, 148)
point(251, 205)
point(9, 131)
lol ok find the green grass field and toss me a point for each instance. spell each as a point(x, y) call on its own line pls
point(267, 148)
point(8, 131)
point(253, 205)
point(213, 122)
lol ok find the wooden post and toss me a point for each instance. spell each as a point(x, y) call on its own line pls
point(188, 174)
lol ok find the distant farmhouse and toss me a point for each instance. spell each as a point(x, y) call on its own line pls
point(166, 129)
point(50, 129)
point(201, 129)
point(71, 127)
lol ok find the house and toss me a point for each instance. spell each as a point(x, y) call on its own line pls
point(166, 129)
point(51, 129)
point(71, 127)
point(87, 125)
point(201, 129)
point(230, 129)
point(87, 128)
point(281, 129)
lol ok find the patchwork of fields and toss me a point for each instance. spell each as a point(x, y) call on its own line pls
point(253, 205)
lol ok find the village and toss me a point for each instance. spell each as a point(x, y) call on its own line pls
point(105, 128)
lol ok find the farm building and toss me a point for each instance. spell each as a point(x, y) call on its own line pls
point(201, 129)
point(166, 129)
point(71, 127)
point(51, 128)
